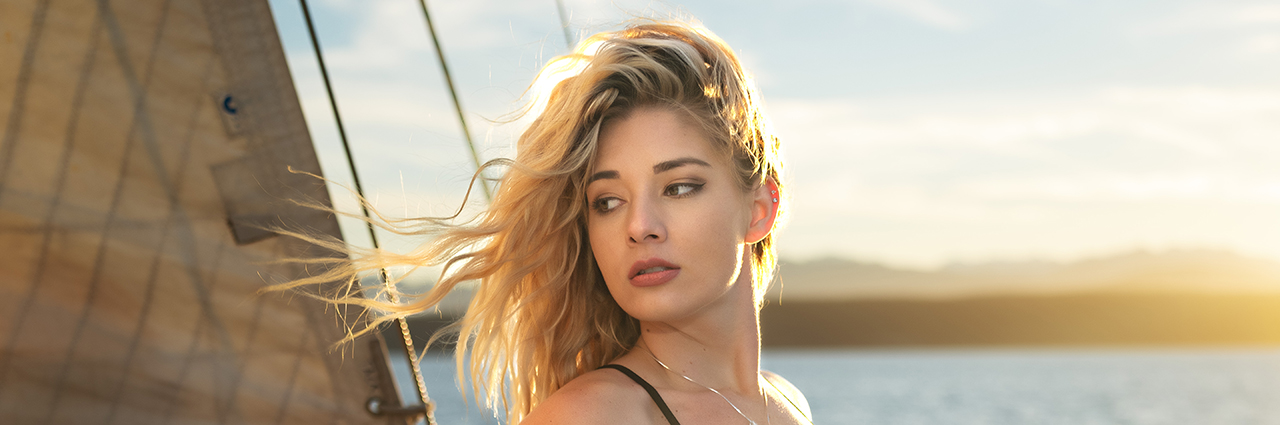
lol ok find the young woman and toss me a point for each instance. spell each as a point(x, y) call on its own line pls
point(623, 260)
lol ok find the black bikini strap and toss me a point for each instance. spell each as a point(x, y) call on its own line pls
point(653, 393)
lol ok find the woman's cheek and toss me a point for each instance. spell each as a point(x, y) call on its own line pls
point(604, 253)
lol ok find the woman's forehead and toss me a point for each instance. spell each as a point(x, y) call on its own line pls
point(651, 135)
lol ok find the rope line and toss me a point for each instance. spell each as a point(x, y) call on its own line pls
point(355, 176)
point(457, 106)
point(337, 117)
point(403, 324)
point(564, 24)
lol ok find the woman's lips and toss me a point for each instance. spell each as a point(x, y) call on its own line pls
point(655, 278)
point(652, 272)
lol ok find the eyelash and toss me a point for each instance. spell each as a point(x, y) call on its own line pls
point(693, 188)
point(600, 205)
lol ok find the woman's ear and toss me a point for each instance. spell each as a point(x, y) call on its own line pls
point(764, 210)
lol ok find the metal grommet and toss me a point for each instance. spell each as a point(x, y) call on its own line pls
point(374, 406)
point(229, 105)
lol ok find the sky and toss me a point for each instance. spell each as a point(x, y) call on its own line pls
point(917, 133)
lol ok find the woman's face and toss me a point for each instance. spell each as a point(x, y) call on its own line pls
point(668, 221)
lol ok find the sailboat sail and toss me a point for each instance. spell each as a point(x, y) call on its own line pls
point(144, 145)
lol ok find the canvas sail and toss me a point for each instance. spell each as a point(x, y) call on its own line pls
point(143, 145)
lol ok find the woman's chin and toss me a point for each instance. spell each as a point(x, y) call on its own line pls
point(671, 309)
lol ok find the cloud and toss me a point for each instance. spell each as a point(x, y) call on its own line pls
point(927, 12)
point(1111, 186)
point(931, 13)
point(1211, 16)
point(1256, 13)
point(1197, 119)
point(1246, 29)
point(923, 180)
point(1260, 45)
point(382, 35)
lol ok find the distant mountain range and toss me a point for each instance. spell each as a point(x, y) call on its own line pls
point(1027, 320)
point(1176, 272)
point(1179, 298)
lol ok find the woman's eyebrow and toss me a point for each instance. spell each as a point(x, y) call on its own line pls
point(661, 167)
point(678, 162)
point(607, 174)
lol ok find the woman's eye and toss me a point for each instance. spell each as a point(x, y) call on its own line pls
point(604, 205)
point(682, 189)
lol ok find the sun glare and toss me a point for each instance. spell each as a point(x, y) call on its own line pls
point(555, 72)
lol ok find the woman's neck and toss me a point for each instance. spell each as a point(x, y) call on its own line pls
point(718, 347)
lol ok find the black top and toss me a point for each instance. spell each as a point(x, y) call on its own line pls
point(666, 411)
point(671, 417)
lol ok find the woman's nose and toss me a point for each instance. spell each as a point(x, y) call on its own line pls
point(644, 222)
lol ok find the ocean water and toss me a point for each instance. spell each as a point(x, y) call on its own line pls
point(1000, 386)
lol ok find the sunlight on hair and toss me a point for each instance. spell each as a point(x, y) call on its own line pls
point(535, 312)
point(711, 91)
point(556, 71)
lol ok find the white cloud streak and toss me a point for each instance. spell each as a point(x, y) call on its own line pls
point(916, 180)
point(1022, 167)
point(1208, 16)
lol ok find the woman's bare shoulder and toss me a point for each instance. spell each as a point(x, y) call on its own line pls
point(598, 397)
point(790, 392)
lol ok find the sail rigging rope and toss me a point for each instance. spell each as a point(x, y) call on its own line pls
point(355, 176)
point(406, 338)
point(457, 106)
point(564, 24)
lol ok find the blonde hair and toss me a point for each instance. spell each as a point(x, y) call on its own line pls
point(541, 314)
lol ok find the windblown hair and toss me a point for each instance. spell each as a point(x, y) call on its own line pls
point(542, 314)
